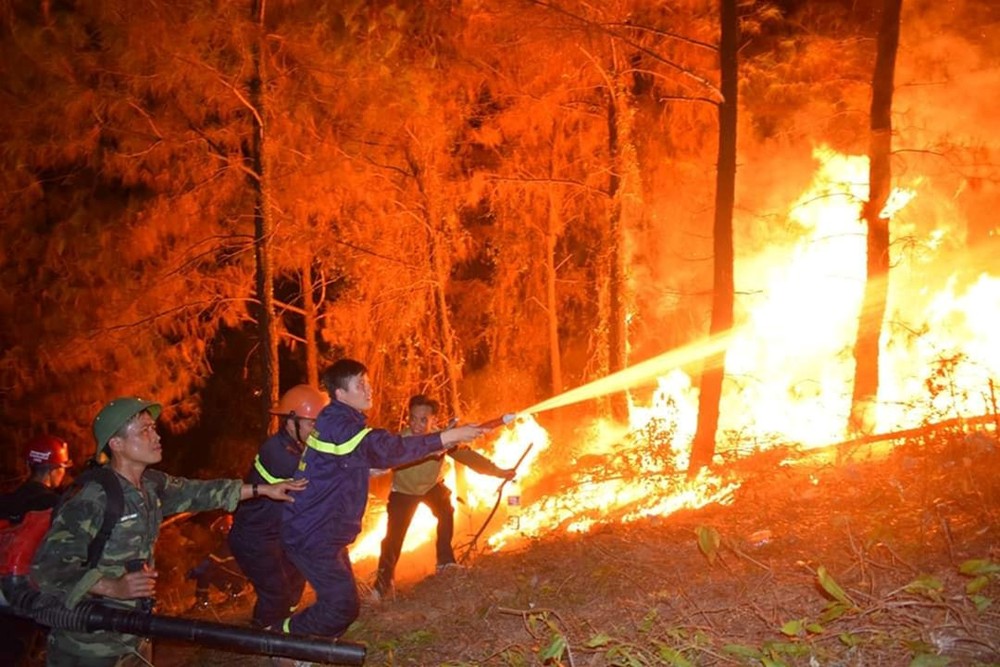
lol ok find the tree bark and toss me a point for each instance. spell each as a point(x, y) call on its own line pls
point(440, 273)
point(263, 225)
point(866, 347)
point(452, 365)
point(703, 448)
point(551, 304)
point(311, 326)
point(616, 277)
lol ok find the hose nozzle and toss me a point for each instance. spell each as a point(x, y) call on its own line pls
point(502, 420)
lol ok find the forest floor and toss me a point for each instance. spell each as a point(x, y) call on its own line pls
point(894, 561)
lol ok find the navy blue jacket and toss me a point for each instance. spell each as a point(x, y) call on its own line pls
point(260, 518)
point(329, 510)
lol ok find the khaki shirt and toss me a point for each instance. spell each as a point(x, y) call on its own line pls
point(418, 478)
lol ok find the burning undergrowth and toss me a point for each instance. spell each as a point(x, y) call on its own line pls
point(891, 561)
point(639, 477)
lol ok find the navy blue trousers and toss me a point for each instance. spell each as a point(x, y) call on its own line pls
point(328, 569)
point(276, 580)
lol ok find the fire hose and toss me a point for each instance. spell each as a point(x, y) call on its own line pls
point(89, 616)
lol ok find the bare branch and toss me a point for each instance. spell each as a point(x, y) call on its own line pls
point(639, 47)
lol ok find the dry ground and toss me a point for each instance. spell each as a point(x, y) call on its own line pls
point(889, 537)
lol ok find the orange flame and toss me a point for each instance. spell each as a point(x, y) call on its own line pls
point(789, 367)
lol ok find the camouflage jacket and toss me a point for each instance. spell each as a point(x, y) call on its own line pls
point(59, 566)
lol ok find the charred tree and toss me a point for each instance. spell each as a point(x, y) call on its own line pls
point(722, 237)
point(267, 326)
point(866, 347)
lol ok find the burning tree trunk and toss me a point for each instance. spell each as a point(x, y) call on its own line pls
point(722, 294)
point(263, 226)
point(866, 348)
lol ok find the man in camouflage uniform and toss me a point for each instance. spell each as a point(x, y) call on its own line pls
point(125, 575)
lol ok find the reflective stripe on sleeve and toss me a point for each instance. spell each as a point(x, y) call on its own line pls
point(334, 448)
point(268, 477)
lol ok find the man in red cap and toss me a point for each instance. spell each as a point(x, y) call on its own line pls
point(48, 459)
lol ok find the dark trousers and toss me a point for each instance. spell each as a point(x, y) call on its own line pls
point(276, 580)
point(327, 567)
point(400, 510)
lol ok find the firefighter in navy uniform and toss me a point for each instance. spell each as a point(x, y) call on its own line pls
point(255, 538)
point(337, 463)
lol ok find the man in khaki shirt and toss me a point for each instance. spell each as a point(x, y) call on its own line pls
point(423, 482)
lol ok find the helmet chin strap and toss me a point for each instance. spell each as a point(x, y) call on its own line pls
point(298, 429)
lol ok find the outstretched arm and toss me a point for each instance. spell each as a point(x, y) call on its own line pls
point(459, 434)
point(480, 463)
point(281, 491)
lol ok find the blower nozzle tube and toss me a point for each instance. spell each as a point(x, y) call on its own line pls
point(89, 616)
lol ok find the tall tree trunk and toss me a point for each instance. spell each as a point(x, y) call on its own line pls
point(441, 275)
point(263, 226)
point(310, 316)
point(551, 305)
point(866, 347)
point(714, 370)
point(440, 272)
point(449, 353)
point(616, 273)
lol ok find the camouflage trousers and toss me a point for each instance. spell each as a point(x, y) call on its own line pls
point(142, 657)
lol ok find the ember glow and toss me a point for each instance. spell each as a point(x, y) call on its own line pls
point(789, 370)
